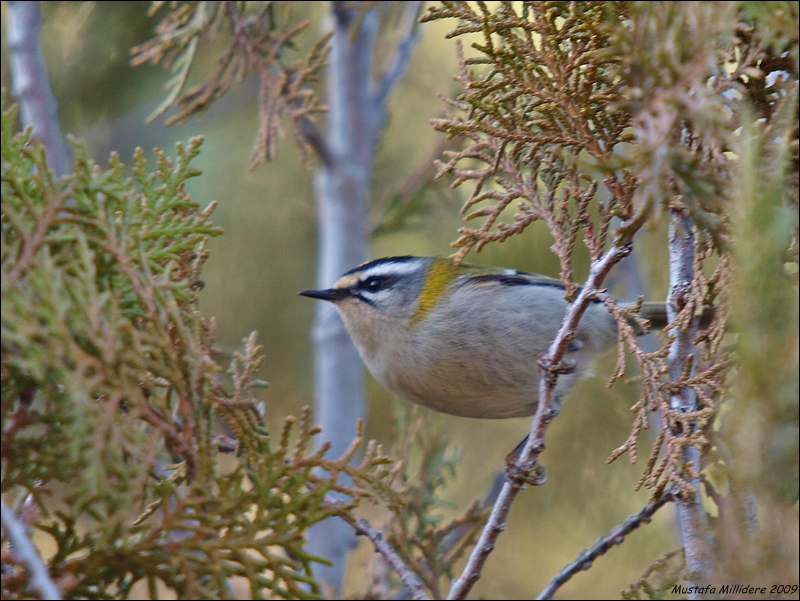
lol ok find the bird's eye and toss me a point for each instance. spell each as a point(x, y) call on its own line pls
point(373, 283)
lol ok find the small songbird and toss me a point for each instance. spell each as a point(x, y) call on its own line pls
point(463, 339)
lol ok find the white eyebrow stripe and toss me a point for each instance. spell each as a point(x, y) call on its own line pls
point(384, 269)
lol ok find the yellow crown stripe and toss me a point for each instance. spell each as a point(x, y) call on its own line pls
point(438, 279)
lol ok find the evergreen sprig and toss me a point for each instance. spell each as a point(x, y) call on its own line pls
point(578, 112)
point(542, 91)
point(575, 113)
point(428, 544)
point(262, 35)
point(111, 401)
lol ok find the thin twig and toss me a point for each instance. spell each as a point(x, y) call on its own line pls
point(27, 555)
point(604, 544)
point(36, 240)
point(409, 579)
point(402, 54)
point(17, 420)
point(547, 409)
point(316, 140)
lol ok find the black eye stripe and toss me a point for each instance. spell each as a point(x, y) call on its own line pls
point(367, 289)
point(374, 283)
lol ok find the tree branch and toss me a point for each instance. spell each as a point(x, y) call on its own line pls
point(402, 54)
point(343, 191)
point(692, 519)
point(31, 86)
point(546, 411)
point(26, 553)
point(316, 139)
point(409, 579)
point(604, 543)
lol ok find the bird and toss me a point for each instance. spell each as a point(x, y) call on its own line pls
point(463, 339)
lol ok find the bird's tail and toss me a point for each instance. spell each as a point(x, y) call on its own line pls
point(656, 313)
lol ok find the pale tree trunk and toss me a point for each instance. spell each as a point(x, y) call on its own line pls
point(343, 197)
point(357, 114)
point(38, 109)
point(30, 84)
point(693, 523)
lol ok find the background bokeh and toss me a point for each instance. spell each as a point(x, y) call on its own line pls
point(268, 253)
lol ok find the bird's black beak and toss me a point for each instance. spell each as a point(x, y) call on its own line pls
point(331, 294)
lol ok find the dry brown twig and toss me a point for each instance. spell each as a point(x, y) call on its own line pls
point(604, 544)
point(259, 38)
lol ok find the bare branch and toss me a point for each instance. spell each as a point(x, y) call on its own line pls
point(27, 555)
point(546, 411)
point(604, 544)
point(402, 53)
point(410, 580)
point(31, 84)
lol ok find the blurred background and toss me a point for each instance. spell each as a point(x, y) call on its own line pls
point(268, 253)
